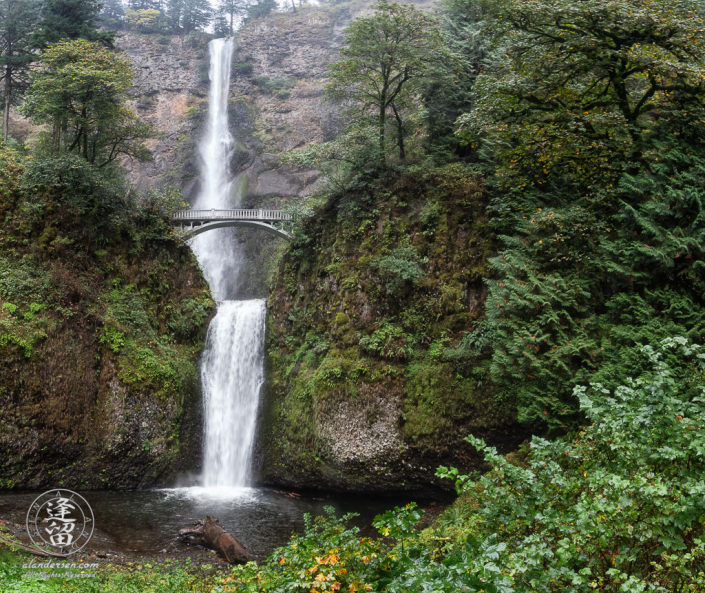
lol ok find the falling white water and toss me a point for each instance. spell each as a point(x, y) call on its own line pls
point(216, 250)
point(232, 372)
point(232, 366)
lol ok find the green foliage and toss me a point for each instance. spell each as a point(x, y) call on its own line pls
point(328, 557)
point(620, 507)
point(389, 341)
point(401, 268)
point(384, 56)
point(445, 99)
point(18, 19)
point(77, 188)
point(80, 93)
point(227, 14)
point(147, 357)
point(260, 8)
point(399, 523)
point(70, 19)
point(353, 150)
point(272, 85)
point(10, 308)
point(551, 110)
point(594, 125)
point(243, 68)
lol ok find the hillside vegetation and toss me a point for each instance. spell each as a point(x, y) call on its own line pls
point(366, 391)
point(103, 309)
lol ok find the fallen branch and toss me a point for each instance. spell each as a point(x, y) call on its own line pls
point(31, 550)
point(210, 534)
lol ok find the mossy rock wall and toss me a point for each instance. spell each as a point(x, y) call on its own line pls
point(99, 347)
point(362, 394)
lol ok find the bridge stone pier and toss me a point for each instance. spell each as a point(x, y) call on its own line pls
point(196, 222)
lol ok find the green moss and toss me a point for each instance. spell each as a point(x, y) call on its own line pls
point(89, 324)
point(431, 225)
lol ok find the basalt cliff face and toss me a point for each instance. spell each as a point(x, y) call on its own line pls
point(101, 327)
point(276, 100)
point(369, 388)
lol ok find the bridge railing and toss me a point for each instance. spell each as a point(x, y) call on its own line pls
point(238, 214)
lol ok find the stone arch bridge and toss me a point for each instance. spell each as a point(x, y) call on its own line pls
point(196, 222)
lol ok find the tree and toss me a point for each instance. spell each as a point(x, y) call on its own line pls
point(142, 19)
point(461, 24)
point(144, 5)
point(112, 14)
point(17, 19)
point(70, 19)
point(195, 15)
point(593, 117)
point(385, 55)
point(230, 11)
point(80, 94)
point(577, 84)
point(261, 8)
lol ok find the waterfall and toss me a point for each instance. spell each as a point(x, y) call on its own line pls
point(233, 361)
point(232, 375)
point(216, 250)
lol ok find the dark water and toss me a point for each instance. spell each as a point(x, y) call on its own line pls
point(146, 522)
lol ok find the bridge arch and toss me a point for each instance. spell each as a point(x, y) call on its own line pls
point(199, 230)
point(197, 222)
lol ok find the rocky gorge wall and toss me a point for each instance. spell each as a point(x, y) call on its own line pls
point(276, 105)
point(369, 385)
point(102, 321)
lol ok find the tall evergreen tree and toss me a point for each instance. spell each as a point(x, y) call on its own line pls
point(17, 19)
point(230, 11)
point(261, 8)
point(70, 19)
point(112, 14)
point(195, 15)
point(173, 10)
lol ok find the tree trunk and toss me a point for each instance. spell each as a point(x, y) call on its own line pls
point(400, 134)
point(293, 5)
point(210, 534)
point(382, 124)
point(8, 94)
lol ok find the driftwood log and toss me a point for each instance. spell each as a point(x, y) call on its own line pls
point(210, 534)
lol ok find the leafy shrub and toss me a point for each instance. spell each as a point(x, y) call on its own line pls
point(163, 40)
point(272, 85)
point(242, 68)
point(400, 268)
point(88, 199)
point(620, 508)
point(203, 72)
point(328, 557)
point(389, 341)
